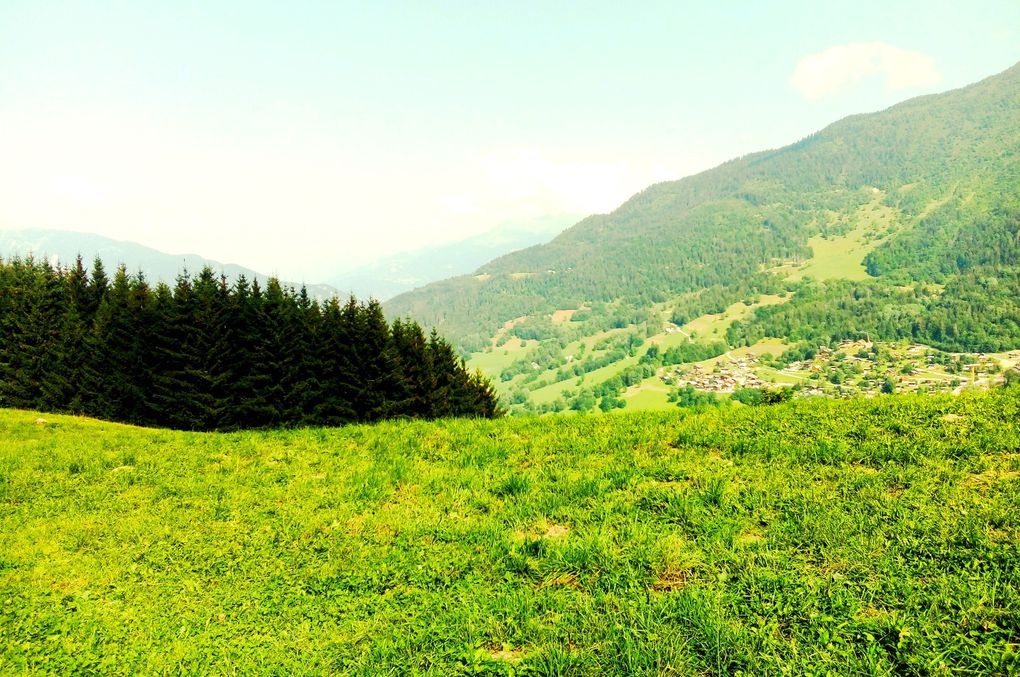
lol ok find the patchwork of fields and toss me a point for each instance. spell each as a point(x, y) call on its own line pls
point(817, 537)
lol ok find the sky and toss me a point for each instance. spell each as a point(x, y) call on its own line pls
point(306, 138)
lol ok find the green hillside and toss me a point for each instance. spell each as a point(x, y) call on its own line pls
point(897, 225)
point(873, 537)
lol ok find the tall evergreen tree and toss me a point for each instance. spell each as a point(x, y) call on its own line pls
point(337, 370)
point(418, 371)
point(116, 379)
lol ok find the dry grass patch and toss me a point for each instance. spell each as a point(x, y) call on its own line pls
point(871, 613)
point(749, 536)
point(716, 456)
point(895, 491)
point(990, 477)
point(542, 529)
point(670, 582)
point(675, 563)
point(563, 580)
point(556, 531)
point(561, 316)
point(505, 653)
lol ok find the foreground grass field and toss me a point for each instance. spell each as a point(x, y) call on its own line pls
point(820, 537)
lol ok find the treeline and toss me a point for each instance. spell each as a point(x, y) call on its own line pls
point(688, 351)
point(205, 355)
point(978, 311)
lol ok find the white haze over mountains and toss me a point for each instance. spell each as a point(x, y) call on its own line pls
point(392, 275)
point(303, 142)
point(63, 247)
point(385, 278)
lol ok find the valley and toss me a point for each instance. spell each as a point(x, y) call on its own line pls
point(566, 376)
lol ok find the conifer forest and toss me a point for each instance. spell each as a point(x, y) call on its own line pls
point(205, 355)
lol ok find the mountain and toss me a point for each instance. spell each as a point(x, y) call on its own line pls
point(402, 272)
point(896, 225)
point(158, 266)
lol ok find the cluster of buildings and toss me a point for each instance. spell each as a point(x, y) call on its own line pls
point(736, 374)
point(908, 370)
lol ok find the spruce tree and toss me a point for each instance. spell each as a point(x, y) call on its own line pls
point(418, 371)
point(116, 377)
point(248, 377)
point(337, 371)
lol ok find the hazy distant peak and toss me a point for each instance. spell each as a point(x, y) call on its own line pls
point(158, 266)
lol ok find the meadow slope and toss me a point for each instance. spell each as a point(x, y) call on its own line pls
point(843, 537)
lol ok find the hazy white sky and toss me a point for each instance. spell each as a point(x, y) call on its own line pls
point(304, 138)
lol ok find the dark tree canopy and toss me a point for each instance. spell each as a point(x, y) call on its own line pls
point(205, 355)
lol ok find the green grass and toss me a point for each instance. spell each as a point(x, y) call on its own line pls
point(836, 257)
point(495, 360)
point(667, 340)
point(714, 326)
point(649, 395)
point(553, 390)
point(820, 537)
point(779, 378)
point(843, 256)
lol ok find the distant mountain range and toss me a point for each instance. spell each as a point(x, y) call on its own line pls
point(158, 266)
point(383, 279)
point(403, 272)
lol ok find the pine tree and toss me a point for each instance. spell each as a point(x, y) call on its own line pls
point(418, 372)
point(182, 387)
point(301, 378)
point(116, 376)
point(248, 377)
point(20, 372)
point(337, 370)
point(377, 366)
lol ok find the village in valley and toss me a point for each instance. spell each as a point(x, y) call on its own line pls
point(850, 368)
point(633, 367)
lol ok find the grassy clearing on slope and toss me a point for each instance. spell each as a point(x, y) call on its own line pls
point(836, 257)
point(494, 361)
point(667, 340)
point(861, 537)
point(714, 326)
point(843, 256)
point(554, 390)
point(649, 395)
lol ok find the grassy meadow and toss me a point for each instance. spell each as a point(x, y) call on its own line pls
point(860, 537)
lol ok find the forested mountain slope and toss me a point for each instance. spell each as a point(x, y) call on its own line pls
point(925, 193)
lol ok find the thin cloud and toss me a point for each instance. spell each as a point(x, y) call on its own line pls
point(524, 182)
point(826, 73)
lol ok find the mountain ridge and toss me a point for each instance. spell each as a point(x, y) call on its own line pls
point(880, 237)
point(405, 271)
point(844, 158)
point(156, 264)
